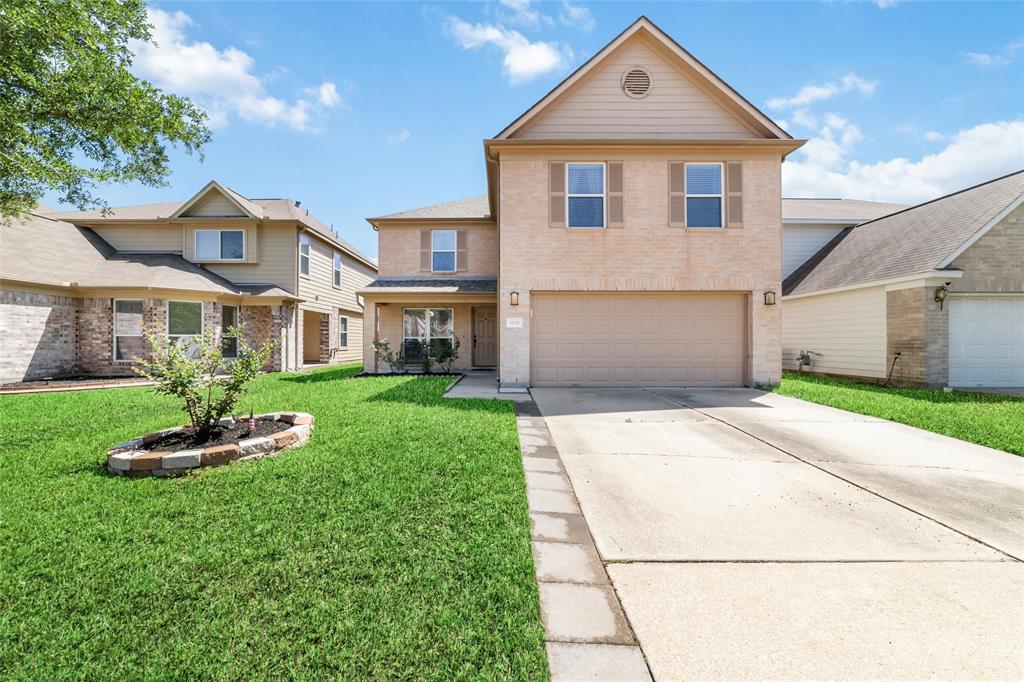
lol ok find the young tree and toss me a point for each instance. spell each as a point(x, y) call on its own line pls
point(71, 112)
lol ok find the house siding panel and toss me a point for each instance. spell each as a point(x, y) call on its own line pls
point(800, 242)
point(142, 238)
point(270, 255)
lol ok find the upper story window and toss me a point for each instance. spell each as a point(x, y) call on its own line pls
point(704, 194)
point(337, 270)
point(304, 255)
point(220, 244)
point(442, 250)
point(585, 194)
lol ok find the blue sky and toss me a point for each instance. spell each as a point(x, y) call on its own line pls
point(360, 109)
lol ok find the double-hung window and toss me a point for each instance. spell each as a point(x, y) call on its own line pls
point(304, 255)
point(228, 341)
point(442, 250)
point(128, 342)
point(184, 323)
point(220, 244)
point(336, 281)
point(704, 194)
point(424, 328)
point(585, 194)
point(342, 331)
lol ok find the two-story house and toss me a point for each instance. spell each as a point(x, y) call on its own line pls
point(76, 288)
point(631, 235)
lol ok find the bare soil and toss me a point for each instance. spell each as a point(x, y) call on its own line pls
point(225, 435)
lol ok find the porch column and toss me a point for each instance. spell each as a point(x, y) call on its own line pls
point(369, 335)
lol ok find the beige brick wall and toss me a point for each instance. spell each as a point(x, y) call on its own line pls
point(994, 263)
point(38, 336)
point(399, 248)
point(644, 255)
point(918, 329)
point(390, 326)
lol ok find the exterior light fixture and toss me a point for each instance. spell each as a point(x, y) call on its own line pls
point(941, 293)
point(769, 298)
point(514, 298)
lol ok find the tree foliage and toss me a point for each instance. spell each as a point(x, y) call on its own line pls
point(72, 114)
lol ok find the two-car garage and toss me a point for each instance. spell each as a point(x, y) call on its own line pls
point(638, 339)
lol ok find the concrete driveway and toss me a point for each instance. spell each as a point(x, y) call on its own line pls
point(754, 536)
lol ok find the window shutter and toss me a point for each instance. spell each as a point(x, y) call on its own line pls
point(462, 251)
point(556, 193)
point(425, 250)
point(615, 217)
point(734, 194)
point(676, 194)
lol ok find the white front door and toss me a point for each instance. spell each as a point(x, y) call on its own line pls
point(986, 341)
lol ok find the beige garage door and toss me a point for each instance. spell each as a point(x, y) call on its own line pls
point(638, 339)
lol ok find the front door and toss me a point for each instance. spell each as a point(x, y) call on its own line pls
point(485, 337)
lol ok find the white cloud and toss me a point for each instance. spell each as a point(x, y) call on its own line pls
point(974, 155)
point(933, 136)
point(812, 93)
point(223, 82)
point(576, 15)
point(524, 60)
point(1002, 58)
point(885, 4)
point(401, 136)
point(524, 14)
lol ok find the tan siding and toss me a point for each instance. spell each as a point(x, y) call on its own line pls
point(276, 251)
point(399, 248)
point(596, 107)
point(318, 290)
point(848, 328)
point(354, 351)
point(151, 238)
point(800, 242)
point(214, 204)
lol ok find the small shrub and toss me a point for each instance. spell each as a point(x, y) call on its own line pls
point(383, 354)
point(446, 354)
point(208, 383)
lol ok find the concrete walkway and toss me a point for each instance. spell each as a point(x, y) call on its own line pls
point(754, 536)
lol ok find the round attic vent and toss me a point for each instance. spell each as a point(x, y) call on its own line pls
point(636, 82)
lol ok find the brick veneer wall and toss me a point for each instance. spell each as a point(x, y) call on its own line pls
point(918, 329)
point(994, 263)
point(38, 336)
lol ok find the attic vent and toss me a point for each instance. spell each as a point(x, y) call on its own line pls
point(636, 82)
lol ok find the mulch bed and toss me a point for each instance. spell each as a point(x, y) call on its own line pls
point(185, 439)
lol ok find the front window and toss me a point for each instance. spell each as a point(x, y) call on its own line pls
point(184, 323)
point(128, 342)
point(220, 244)
point(228, 341)
point(704, 195)
point(304, 255)
point(337, 269)
point(342, 331)
point(442, 250)
point(424, 328)
point(585, 195)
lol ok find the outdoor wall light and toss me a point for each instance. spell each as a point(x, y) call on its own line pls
point(514, 298)
point(941, 293)
point(769, 298)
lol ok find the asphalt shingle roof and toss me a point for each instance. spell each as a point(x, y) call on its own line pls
point(448, 285)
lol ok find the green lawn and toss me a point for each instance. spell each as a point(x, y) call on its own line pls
point(984, 418)
point(394, 545)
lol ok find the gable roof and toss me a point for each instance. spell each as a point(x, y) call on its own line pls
point(471, 208)
point(241, 203)
point(917, 240)
point(46, 251)
point(752, 115)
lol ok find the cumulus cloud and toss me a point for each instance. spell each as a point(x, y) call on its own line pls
point(1001, 58)
point(972, 156)
point(223, 82)
point(524, 14)
point(392, 139)
point(579, 16)
point(523, 61)
point(811, 93)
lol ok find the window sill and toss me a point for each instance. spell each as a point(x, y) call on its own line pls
point(220, 260)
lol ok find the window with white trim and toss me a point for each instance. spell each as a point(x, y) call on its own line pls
point(128, 341)
point(228, 341)
point(442, 250)
point(704, 183)
point(304, 255)
point(336, 281)
point(424, 328)
point(184, 323)
point(585, 195)
point(342, 331)
point(220, 244)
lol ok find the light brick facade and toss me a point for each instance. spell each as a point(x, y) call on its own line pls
point(39, 335)
point(389, 320)
point(399, 247)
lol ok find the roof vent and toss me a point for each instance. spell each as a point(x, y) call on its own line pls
point(636, 82)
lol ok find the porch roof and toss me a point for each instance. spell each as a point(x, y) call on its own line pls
point(432, 285)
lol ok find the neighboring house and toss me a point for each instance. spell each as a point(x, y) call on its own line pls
point(942, 284)
point(76, 287)
point(631, 236)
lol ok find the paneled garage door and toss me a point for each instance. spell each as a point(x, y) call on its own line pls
point(986, 341)
point(605, 339)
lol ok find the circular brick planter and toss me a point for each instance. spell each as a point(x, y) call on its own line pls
point(127, 459)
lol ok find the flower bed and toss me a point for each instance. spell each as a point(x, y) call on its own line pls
point(155, 454)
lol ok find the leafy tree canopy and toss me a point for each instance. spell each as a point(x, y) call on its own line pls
point(71, 112)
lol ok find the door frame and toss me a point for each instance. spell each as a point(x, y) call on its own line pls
point(472, 332)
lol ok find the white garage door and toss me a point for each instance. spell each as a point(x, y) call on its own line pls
point(986, 341)
point(605, 339)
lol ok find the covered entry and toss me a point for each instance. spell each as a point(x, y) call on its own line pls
point(656, 339)
point(315, 337)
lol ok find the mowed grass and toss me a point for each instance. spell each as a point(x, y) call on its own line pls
point(984, 418)
point(395, 545)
